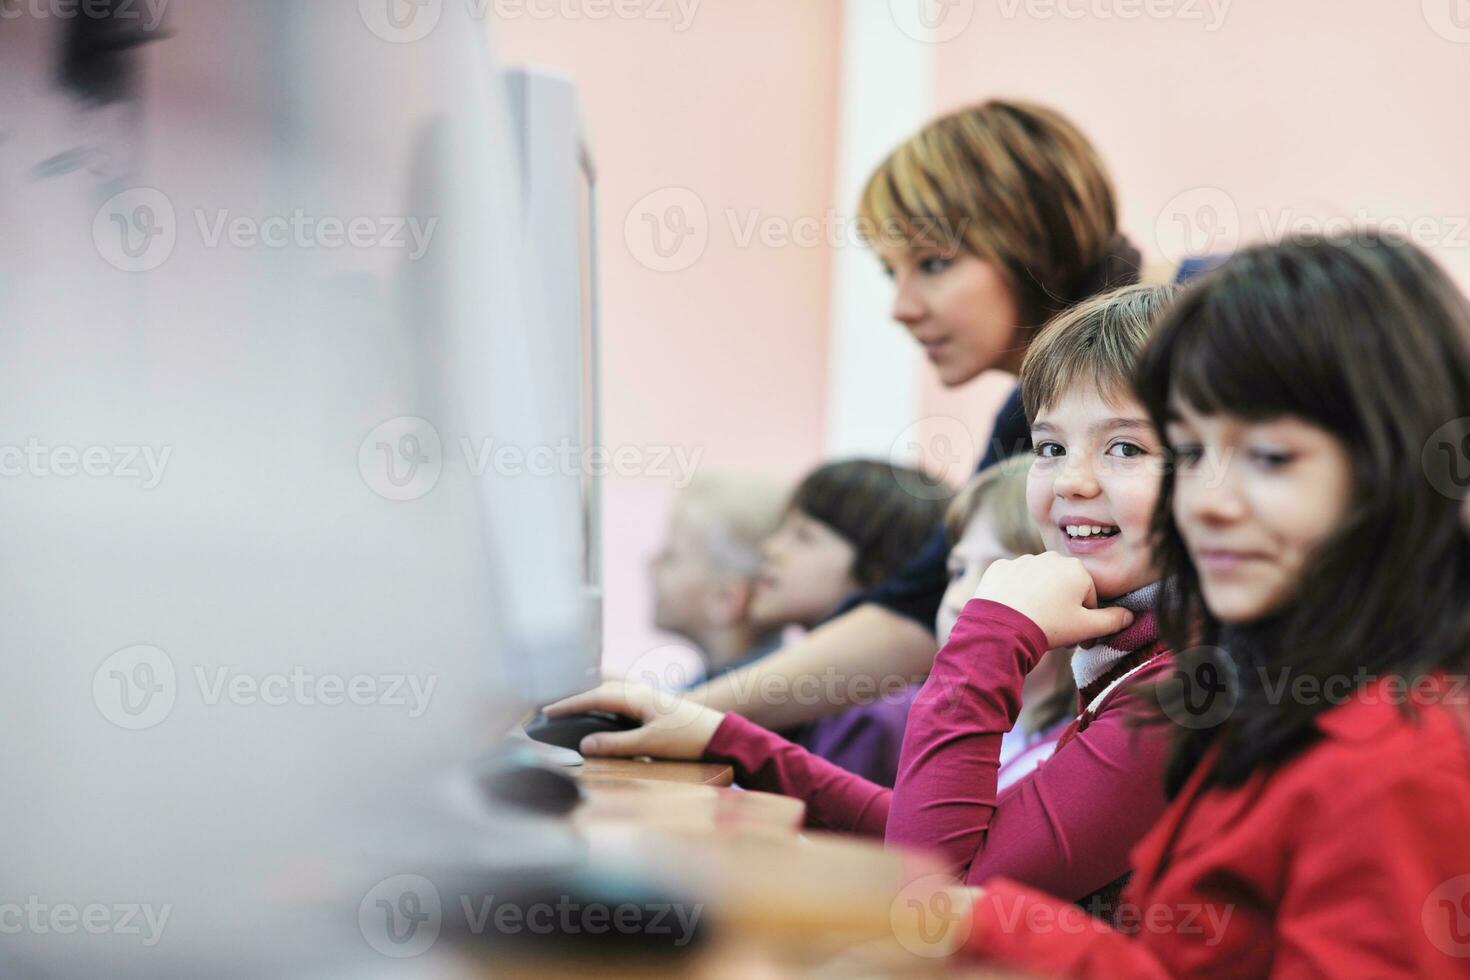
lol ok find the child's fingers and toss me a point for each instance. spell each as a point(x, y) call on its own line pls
point(616, 743)
point(612, 696)
point(1109, 619)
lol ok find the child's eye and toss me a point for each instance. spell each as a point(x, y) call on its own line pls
point(1127, 450)
point(1048, 450)
point(888, 270)
point(1270, 459)
point(956, 572)
point(934, 264)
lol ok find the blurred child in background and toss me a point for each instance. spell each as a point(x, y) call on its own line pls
point(704, 576)
point(848, 526)
point(988, 522)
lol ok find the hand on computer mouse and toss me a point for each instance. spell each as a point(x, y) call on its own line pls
point(673, 727)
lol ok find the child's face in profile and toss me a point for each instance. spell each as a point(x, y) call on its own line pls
point(1252, 501)
point(1093, 486)
point(975, 551)
point(806, 574)
point(682, 579)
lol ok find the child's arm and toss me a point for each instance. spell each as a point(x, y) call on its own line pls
point(862, 649)
point(835, 798)
point(1067, 826)
point(677, 728)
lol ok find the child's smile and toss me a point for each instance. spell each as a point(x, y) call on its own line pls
point(1093, 486)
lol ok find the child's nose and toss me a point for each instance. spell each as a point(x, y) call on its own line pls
point(1076, 479)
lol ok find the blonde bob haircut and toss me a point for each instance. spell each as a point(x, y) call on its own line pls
point(1013, 183)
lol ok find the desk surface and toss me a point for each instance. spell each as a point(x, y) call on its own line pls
point(705, 773)
point(782, 901)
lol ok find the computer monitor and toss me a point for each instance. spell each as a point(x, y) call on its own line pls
point(257, 597)
point(559, 228)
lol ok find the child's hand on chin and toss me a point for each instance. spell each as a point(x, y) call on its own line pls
point(1055, 593)
point(673, 727)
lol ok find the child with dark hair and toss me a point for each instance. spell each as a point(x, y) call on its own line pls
point(848, 526)
point(1320, 776)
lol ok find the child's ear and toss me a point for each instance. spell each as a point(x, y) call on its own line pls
point(728, 601)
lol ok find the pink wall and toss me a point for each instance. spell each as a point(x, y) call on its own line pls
point(726, 354)
point(1285, 112)
point(1284, 115)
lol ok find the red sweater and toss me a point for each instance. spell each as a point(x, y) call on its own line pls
point(1352, 859)
point(1065, 827)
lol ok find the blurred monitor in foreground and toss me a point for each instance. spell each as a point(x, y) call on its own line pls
point(263, 306)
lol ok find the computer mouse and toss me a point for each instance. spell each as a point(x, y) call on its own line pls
point(568, 731)
point(527, 783)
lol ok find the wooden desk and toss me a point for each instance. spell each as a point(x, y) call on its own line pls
point(704, 773)
point(781, 901)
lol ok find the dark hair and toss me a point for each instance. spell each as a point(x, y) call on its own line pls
point(885, 512)
point(1367, 339)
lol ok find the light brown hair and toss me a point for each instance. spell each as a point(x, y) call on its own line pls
point(1002, 490)
point(1013, 183)
point(1097, 344)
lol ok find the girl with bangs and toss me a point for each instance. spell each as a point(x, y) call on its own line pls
point(1311, 527)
